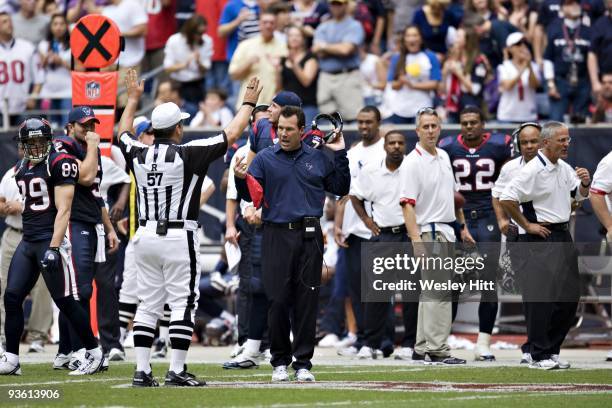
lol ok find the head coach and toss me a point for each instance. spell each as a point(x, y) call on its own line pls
point(289, 181)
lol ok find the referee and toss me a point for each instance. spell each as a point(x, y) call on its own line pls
point(545, 188)
point(289, 181)
point(169, 179)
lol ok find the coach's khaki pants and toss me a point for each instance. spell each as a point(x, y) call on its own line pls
point(340, 92)
point(41, 316)
point(435, 309)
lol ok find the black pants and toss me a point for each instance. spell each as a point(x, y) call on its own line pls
point(377, 313)
point(107, 303)
point(551, 290)
point(243, 302)
point(291, 267)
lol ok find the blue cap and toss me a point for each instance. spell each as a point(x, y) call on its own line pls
point(285, 98)
point(142, 127)
point(82, 114)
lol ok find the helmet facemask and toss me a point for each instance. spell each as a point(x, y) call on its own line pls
point(36, 148)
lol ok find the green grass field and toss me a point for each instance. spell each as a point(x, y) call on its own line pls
point(376, 386)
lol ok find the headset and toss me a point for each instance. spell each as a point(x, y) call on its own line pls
point(336, 121)
point(518, 130)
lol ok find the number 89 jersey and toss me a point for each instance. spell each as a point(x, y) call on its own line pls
point(36, 184)
point(477, 168)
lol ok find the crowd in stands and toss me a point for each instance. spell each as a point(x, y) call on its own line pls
point(519, 60)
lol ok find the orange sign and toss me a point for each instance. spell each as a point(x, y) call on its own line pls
point(98, 90)
point(95, 41)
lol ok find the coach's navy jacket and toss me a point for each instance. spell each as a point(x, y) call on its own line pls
point(292, 185)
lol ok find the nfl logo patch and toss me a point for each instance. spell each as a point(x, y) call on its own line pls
point(92, 90)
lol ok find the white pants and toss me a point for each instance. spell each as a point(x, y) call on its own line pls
point(168, 272)
point(129, 287)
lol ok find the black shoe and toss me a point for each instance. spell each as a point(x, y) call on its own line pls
point(142, 379)
point(445, 360)
point(418, 357)
point(182, 379)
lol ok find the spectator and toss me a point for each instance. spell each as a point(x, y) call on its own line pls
point(569, 41)
point(414, 74)
point(239, 21)
point(404, 14)
point(168, 91)
point(282, 11)
point(309, 14)
point(131, 18)
point(217, 76)
point(464, 74)
point(488, 9)
point(371, 14)
point(80, 8)
point(21, 73)
point(187, 58)
point(213, 111)
point(259, 56)
point(50, 7)
point(373, 74)
point(298, 72)
point(492, 35)
point(519, 77)
point(55, 60)
point(161, 25)
point(336, 43)
point(603, 109)
point(523, 16)
point(29, 24)
point(435, 22)
point(600, 54)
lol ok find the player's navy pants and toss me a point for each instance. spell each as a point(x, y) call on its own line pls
point(83, 238)
point(23, 273)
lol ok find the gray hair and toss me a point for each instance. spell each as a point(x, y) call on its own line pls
point(425, 111)
point(549, 129)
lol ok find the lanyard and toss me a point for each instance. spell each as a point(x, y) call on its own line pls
point(571, 43)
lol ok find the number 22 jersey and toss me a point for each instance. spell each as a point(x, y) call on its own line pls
point(477, 168)
point(36, 184)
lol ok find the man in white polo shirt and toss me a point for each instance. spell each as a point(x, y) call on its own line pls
point(427, 197)
point(386, 224)
point(546, 188)
point(601, 200)
point(527, 140)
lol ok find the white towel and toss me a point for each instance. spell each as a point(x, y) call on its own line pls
point(101, 247)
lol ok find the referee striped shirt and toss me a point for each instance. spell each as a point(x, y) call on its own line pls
point(169, 176)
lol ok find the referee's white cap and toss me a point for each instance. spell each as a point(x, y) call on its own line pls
point(166, 115)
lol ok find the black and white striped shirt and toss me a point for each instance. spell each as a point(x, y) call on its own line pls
point(169, 176)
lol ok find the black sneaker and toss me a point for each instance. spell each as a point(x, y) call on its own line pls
point(434, 360)
point(182, 379)
point(418, 357)
point(142, 379)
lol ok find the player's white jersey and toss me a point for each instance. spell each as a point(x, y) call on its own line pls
point(602, 180)
point(19, 69)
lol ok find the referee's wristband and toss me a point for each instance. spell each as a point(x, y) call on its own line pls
point(251, 104)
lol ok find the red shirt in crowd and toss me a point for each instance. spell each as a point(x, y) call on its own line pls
point(162, 23)
point(211, 10)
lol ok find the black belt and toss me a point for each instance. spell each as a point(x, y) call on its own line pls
point(398, 229)
point(171, 224)
point(341, 71)
point(561, 226)
point(286, 225)
point(476, 214)
point(15, 229)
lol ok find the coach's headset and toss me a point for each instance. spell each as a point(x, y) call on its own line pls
point(518, 130)
point(336, 121)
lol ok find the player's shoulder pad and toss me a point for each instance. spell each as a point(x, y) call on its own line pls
point(446, 141)
point(500, 139)
point(59, 157)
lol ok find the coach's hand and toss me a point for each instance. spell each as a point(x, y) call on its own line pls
point(135, 88)
point(537, 229)
point(113, 241)
point(232, 235)
point(51, 260)
point(467, 237)
point(339, 238)
point(338, 143)
point(253, 89)
point(583, 175)
point(369, 222)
